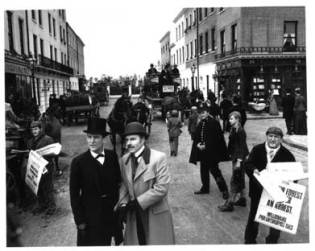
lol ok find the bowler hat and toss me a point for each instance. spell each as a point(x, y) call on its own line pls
point(96, 126)
point(274, 130)
point(135, 128)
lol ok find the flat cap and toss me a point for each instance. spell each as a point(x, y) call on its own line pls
point(36, 124)
point(274, 130)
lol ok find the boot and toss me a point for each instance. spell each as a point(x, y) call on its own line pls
point(226, 207)
point(240, 202)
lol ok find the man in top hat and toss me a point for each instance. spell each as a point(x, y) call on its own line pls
point(94, 187)
point(209, 148)
point(270, 151)
point(143, 191)
point(45, 195)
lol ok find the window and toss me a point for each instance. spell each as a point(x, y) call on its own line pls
point(35, 45)
point(196, 51)
point(183, 52)
point(222, 42)
point(64, 36)
point(60, 30)
point(56, 56)
point(33, 15)
point(21, 30)
point(176, 57)
point(199, 14)
point(191, 50)
point(187, 24)
point(51, 53)
point(63, 14)
point(49, 23)
point(187, 51)
point(40, 17)
point(41, 44)
point(211, 9)
point(206, 11)
point(206, 42)
point(200, 44)
point(54, 27)
point(10, 31)
point(289, 36)
point(195, 17)
point(221, 9)
point(176, 34)
point(65, 59)
point(190, 20)
point(213, 39)
point(61, 57)
point(234, 37)
point(179, 32)
point(183, 28)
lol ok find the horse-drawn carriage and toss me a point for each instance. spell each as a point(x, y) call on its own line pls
point(79, 106)
point(160, 90)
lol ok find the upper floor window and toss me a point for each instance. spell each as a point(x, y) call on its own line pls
point(289, 36)
point(190, 19)
point(234, 37)
point(54, 27)
point(40, 17)
point(199, 14)
point(21, 30)
point(33, 15)
point(49, 23)
point(213, 39)
point(206, 11)
point(35, 45)
point(10, 31)
point(222, 41)
point(221, 9)
point(206, 42)
point(200, 44)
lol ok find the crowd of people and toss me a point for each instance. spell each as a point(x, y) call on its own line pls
point(126, 198)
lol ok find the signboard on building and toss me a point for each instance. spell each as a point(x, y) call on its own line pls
point(168, 88)
point(17, 69)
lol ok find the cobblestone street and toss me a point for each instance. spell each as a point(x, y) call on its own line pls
point(196, 217)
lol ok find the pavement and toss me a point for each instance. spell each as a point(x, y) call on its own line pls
point(297, 141)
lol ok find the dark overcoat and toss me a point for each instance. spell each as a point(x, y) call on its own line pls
point(257, 159)
point(216, 149)
point(93, 196)
point(237, 147)
point(287, 106)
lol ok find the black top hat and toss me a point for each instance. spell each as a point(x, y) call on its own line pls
point(135, 128)
point(96, 126)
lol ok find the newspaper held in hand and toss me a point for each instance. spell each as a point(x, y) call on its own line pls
point(288, 171)
point(52, 149)
point(34, 170)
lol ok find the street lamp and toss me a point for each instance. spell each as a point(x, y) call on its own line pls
point(193, 69)
point(32, 62)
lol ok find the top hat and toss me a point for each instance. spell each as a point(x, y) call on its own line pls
point(96, 126)
point(204, 107)
point(135, 128)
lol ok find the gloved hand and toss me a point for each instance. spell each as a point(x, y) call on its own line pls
point(122, 214)
point(132, 205)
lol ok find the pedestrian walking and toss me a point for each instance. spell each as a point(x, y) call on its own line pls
point(238, 150)
point(273, 107)
point(287, 106)
point(193, 122)
point(45, 195)
point(143, 191)
point(299, 109)
point(225, 107)
point(94, 189)
point(174, 126)
point(209, 148)
point(237, 106)
point(270, 151)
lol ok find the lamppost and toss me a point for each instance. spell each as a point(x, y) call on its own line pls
point(32, 62)
point(193, 69)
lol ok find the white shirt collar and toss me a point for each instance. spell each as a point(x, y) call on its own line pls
point(139, 152)
point(95, 154)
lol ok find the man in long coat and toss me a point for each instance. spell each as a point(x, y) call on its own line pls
point(287, 106)
point(270, 151)
point(209, 148)
point(94, 189)
point(143, 192)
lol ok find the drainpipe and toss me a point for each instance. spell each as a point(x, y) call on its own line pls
point(27, 34)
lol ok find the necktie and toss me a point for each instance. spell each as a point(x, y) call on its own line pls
point(271, 154)
point(99, 156)
point(134, 164)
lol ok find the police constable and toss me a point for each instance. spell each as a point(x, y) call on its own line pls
point(209, 148)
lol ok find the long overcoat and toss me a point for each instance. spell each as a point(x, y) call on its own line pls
point(150, 187)
point(216, 149)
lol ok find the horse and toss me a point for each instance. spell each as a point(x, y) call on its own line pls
point(118, 118)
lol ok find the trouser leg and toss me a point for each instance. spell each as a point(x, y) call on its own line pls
point(273, 236)
point(176, 145)
point(204, 174)
point(217, 175)
point(251, 230)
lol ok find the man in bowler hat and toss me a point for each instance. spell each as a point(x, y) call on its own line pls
point(209, 148)
point(270, 151)
point(94, 189)
point(143, 192)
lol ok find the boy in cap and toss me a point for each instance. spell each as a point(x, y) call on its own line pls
point(143, 192)
point(45, 195)
point(94, 184)
point(270, 151)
